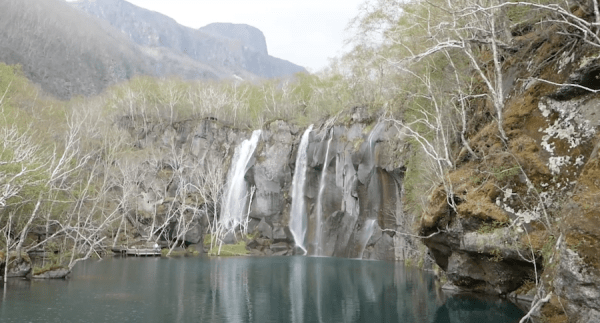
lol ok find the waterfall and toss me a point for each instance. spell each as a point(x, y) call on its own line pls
point(298, 221)
point(233, 205)
point(319, 206)
point(372, 137)
point(365, 235)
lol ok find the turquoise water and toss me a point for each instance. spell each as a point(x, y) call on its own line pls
point(245, 289)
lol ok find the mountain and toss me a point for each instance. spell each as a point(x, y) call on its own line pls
point(249, 36)
point(68, 52)
point(235, 47)
point(62, 51)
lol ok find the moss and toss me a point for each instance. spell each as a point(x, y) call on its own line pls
point(357, 142)
point(254, 234)
point(46, 268)
point(480, 206)
point(547, 250)
point(368, 128)
point(552, 312)
point(526, 287)
point(207, 239)
point(581, 222)
point(487, 228)
point(175, 253)
point(13, 256)
point(192, 251)
point(496, 255)
point(227, 250)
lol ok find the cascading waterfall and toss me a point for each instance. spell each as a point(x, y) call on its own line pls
point(319, 206)
point(369, 225)
point(365, 235)
point(371, 140)
point(298, 220)
point(234, 202)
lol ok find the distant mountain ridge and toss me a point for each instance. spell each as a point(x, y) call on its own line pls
point(69, 52)
point(233, 46)
point(250, 37)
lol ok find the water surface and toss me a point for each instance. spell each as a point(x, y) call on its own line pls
point(246, 289)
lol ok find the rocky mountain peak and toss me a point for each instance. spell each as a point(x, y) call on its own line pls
point(223, 46)
point(250, 37)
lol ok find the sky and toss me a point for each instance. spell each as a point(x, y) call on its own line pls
point(304, 32)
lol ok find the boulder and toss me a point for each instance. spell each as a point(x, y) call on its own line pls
point(17, 267)
point(194, 234)
point(281, 233)
point(265, 229)
point(280, 253)
point(20, 268)
point(253, 245)
point(279, 246)
point(58, 273)
point(488, 262)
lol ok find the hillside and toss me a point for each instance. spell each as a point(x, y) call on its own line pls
point(232, 47)
point(68, 53)
point(62, 51)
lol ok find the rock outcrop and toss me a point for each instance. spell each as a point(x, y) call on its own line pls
point(352, 193)
point(523, 213)
point(58, 273)
point(17, 266)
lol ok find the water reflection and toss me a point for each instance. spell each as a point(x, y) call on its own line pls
point(277, 289)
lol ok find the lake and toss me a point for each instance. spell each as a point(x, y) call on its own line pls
point(245, 289)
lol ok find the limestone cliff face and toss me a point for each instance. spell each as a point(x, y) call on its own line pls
point(352, 194)
point(354, 177)
point(526, 210)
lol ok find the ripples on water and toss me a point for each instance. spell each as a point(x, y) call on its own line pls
point(275, 289)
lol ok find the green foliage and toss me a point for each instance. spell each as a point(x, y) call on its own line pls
point(174, 253)
point(192, 251)
point(548, 250)
point(416, 181)
point(146, 100)
point(496, 255)
point(502, 173)
point(48, 267)
point(207, 239)
point(518, 14)
point(487, 228)
point(228, 250)
point(476, 180)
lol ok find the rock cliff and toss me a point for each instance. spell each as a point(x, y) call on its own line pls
point(352, 192)
point(523, 211)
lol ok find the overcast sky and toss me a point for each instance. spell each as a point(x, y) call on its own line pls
point(304, 32)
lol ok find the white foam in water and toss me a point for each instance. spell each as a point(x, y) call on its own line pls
point(374, 135)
